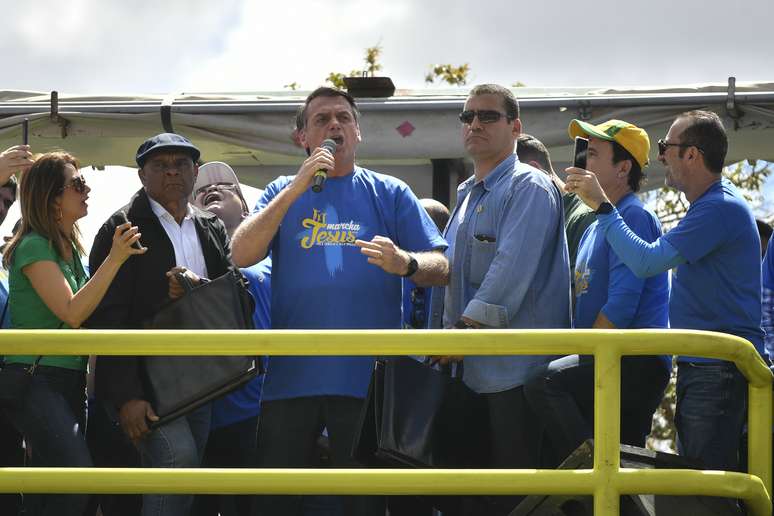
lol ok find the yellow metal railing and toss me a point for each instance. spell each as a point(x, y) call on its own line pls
point(606, 481)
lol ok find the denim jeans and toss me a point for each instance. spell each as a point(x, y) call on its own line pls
point(711, 411)
point(562, 395)
point(53, 421)
point(178, 444)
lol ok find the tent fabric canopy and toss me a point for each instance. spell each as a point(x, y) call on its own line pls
point(410, 128)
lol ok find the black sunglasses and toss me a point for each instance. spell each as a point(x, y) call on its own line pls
point(485, 116)
point(78, 184)
point(663, 145)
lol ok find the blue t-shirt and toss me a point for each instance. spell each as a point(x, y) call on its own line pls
point(719, 286)
point(246, 402)
point(322, 280)
point(603, 283)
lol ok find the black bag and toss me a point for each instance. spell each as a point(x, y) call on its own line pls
point(181, 384)
point(15, 383)
point(419, 417)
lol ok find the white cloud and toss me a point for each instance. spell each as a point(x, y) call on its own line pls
point(156, 46)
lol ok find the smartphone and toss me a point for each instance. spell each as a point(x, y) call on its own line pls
point(579, 152)
point(122, 217)
point(26, 131)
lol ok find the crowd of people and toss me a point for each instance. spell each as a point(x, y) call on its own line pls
point(521, 249)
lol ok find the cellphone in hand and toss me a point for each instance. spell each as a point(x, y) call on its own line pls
point(25, 131)
point(579, 152)
point(122, 217)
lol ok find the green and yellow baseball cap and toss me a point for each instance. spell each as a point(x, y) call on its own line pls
point(628, 136)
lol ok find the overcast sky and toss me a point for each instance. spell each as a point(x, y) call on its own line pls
point(161, 46)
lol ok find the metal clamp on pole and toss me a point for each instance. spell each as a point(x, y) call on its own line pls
point(166, 113)
point(584, 110)
point(732, 110)
point(55, 117)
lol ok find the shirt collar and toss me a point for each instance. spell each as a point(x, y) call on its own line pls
point(161, 212)
point(625, 201)
point(505, 166)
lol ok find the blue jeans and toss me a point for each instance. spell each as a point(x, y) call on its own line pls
point(53, 421)
point(178, 444)
point(711, 411)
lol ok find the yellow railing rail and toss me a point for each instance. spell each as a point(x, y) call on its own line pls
point(606, 481)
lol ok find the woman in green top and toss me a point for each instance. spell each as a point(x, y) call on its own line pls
point(48, 289)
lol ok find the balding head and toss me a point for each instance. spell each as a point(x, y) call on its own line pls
point(437, 211)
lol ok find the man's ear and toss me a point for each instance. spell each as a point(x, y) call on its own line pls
point(535, 164)
point(517, 128)
point(141, 175)
point(624, 167)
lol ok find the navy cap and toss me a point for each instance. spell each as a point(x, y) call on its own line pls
point(166, 141)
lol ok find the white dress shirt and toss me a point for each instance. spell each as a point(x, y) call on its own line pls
point(185, 241)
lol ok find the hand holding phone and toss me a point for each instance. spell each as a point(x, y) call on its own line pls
point(579, 152)
point(122, 217)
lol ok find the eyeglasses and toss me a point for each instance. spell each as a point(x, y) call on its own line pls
point(663, 145)
point(78, 183)
point(219, 187)
point(485, 116)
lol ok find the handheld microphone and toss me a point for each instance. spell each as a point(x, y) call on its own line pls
point(321, 174)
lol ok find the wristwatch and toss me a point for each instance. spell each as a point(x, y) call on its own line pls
point(604, 208)
point(412, 266)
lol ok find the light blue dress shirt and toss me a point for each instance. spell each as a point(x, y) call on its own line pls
point(509, 266)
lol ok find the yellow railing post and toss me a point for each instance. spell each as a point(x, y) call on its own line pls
point(607, 429)
point(759, 433)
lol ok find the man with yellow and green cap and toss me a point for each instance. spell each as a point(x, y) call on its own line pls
point(608, 295)
point(714, 252)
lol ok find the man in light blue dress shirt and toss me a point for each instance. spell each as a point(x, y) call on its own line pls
point(509, 267)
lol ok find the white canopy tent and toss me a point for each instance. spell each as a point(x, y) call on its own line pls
point(413, 135)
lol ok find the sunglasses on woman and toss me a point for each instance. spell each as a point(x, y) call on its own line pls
point(78, 184)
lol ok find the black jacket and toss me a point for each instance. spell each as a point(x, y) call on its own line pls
point(140, 288)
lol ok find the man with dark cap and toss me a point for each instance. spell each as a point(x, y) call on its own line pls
point(179, 238)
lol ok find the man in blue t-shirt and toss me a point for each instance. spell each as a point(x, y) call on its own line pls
point(716, 285)
point(608, 296)
point(338, 256)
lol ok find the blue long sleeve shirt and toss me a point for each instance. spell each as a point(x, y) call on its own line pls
point(715, 248)
point(509, 266)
